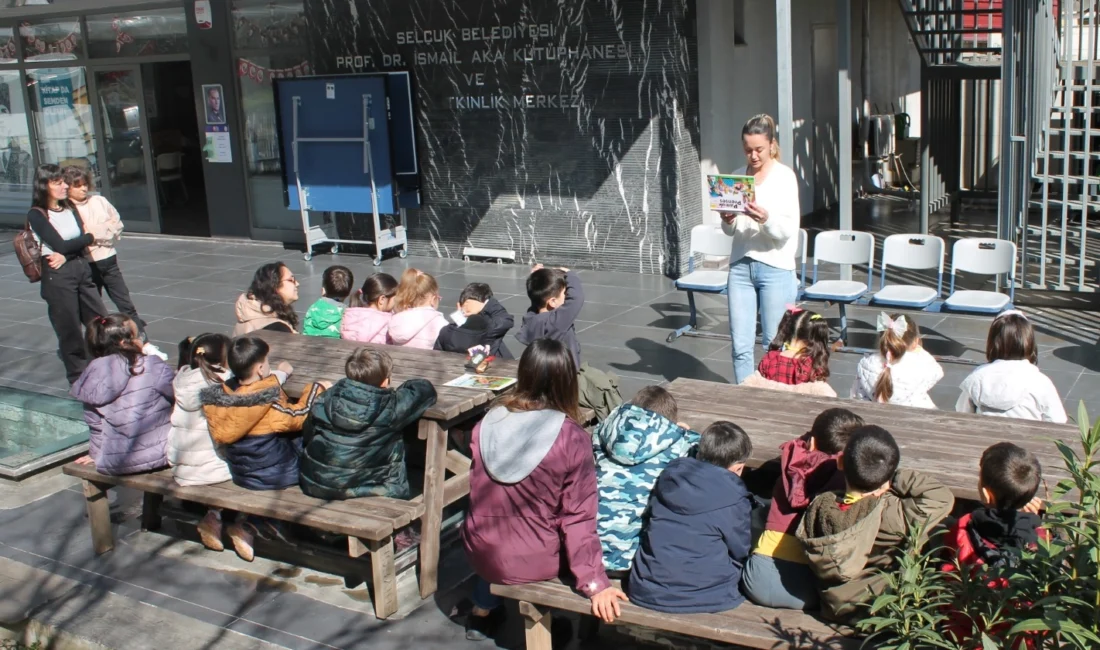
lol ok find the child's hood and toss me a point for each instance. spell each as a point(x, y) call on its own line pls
point(188, 386)
point(237, 409)
point(250, 309)
point(805, 472)
point(632, 435)
point(326, 312)
point(512, 445)
point(689, 486)
point(1001, 385)
point(406, 325)
point(841, 554)
point(355, 406)
point(105, 379)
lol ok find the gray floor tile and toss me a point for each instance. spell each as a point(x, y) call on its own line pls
point(218, 313)
point(23, 311)
point(26, 337)
point(642, 358)
point(177, 329)
point(159, 306)
point(171, 271)
point(619, 295)
point(607, 332)
point(201, 290)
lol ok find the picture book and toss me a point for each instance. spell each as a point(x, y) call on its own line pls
point(481, 381)
point(731, 193)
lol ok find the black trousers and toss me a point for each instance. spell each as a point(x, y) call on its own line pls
point(107, 275)
point(72, 300)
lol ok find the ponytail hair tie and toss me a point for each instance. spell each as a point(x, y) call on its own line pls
point(794, 309)
point(1011, 312)
point(100, 320)
point(896, 325)
point(199, 351)
point(816, 317)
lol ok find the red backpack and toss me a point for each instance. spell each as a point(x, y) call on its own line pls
point(29, 251)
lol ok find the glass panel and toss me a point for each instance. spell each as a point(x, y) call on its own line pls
point(120, 107)
point(7, 45)
point(160, 31)
point(16, 159)
point(63, 117)
point(53, 41)
point(262, 24)
point(261, 139)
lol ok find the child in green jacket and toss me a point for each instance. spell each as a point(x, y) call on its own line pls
point(325, 315)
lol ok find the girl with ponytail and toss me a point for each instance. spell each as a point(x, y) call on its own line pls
point(765, 239)
point(901, 372)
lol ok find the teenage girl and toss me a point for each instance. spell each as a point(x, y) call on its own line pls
point(1011, 385)
point(367, 318)
point(127, 399)
point(901, 372)
point(67, 286)
point(799, 354)
point(533, 492)
point(194, 457)
point(416, 321)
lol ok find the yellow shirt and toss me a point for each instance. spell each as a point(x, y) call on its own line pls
point(781, 546)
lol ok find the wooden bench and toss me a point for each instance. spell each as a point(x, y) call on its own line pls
point(748, 625)
point(369, 523)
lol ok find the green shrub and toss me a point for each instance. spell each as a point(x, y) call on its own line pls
point(1048, 599)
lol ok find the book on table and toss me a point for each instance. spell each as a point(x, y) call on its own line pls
point(730, 193)
point(483, 382)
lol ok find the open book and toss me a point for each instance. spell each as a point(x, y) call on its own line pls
point(481, 381)
point(731, 193)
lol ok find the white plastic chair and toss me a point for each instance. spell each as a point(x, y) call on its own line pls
point(800, 256)
point(170, 168)
point(985, 257)
point(705, 240)
point(915, 252)
point(845, 248)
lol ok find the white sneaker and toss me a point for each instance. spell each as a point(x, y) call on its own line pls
point(153, 351)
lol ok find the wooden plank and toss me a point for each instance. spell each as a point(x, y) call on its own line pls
point(99, 516)
point(432, 521)
point(536, 624)
point(944, 444)
point(748, 625)
point(457, 463)
point(383, 577)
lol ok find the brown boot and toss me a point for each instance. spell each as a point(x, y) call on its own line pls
point(242, 536)
point(210, 531)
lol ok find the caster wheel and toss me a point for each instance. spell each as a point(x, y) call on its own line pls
point(335, 250)
point(466, 258)
point(307, 257)
point(403, 253)
point(377, 261)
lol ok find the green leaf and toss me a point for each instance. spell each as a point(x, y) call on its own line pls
point(988, 643)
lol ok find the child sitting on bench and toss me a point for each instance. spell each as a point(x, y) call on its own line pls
point(370, 310)
point(324, 316)
point(487, 321)
point(416, 320)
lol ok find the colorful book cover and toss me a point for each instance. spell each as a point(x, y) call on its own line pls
point(731, 193)
point(494, 384)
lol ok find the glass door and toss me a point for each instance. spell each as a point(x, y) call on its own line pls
point(128, 177)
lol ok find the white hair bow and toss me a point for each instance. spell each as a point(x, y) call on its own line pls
point(1011, 312)
point(898, 326)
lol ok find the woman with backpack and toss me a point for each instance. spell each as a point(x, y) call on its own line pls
point(67, 287)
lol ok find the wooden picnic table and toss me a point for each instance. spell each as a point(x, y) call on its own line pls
point(317, 359)
point(944, 444)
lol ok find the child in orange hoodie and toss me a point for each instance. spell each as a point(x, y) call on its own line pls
point(777, 573)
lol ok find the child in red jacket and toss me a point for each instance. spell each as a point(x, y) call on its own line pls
point(1007, 523)
point(777, 573)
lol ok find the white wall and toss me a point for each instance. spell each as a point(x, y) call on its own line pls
point(736, 83)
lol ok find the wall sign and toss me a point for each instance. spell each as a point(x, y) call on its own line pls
point(203, 16)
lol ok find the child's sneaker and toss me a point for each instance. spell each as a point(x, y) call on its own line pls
point(151, 350)
point(210, 531)
point(242, 536)
point(480, 628)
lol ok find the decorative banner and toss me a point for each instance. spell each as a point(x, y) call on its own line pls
point(121, 37)
point(260, 74)
point(65, 46)
point(7, 50)
point(279, 32)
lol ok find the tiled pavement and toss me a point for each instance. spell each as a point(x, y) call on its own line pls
point(184, 287)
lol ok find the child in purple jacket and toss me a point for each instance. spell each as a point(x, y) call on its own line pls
point(128, 400)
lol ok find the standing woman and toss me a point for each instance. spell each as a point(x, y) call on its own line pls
point(269, 302)
point(765, 239)
point(67, 287)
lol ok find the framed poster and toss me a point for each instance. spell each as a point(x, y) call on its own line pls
point(213, 100)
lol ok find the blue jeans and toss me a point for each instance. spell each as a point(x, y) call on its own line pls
point(482, 597)
point(779, 584)
point(752, 282)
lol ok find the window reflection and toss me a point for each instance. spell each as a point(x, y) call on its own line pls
point(63, 117)
point(259, 24)
point(161, 31)
point(51, 41)
point(16, 161)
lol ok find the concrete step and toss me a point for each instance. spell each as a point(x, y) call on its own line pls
point(55, 612)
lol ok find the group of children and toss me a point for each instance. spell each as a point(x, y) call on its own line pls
point(665, 509)
point(903, 372)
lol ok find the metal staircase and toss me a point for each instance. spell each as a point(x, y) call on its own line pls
point(955, 32)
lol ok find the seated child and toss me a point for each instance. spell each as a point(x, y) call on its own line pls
point(849, 534)
point(1011, 385)
point(800, 352)
point(324, 316)
point(698, 534)
point(194, 457)
point(487, 321)
point(777, 574)
point(370, 309)
point(127, 399)
point(1008, 521)
point(556, 301)
point(633, 446)
point(533, 492)
point(416, 320)
point(901, 372)
point(258, 425)
point(352, 444)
